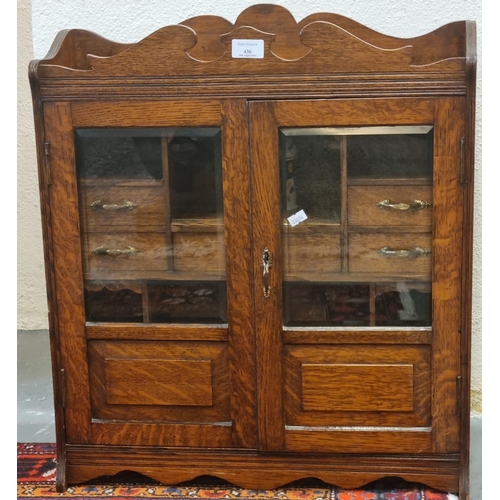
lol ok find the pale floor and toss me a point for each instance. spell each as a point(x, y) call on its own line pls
point(35, 411)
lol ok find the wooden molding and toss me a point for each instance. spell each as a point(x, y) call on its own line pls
point(320, 43)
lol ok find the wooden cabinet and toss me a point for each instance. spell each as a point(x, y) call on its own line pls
point(258, 250)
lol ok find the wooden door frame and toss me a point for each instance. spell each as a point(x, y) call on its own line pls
point(447, 116)
point(60, 120)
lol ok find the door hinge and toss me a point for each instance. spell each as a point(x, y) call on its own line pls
point(462, 161)
point(459, 396)
point(46, 148)
point(62, 387)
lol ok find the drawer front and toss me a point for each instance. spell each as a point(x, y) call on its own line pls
point(402, 253)
point(202, 252)
point(127, 207)
point(124, 252)
point(311, 252)
point(390, 205)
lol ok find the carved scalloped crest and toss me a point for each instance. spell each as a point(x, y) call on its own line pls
point(320, 44)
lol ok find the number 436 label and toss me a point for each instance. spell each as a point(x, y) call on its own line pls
point(248, 49)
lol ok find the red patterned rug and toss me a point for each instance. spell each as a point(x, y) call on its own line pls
point(36, 471)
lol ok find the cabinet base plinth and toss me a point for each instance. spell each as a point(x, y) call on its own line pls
point(252, 470)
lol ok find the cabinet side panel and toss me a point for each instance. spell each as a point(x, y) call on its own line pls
point(446, 288)
point(44, 186)
point(470, 116)
point(68, 270)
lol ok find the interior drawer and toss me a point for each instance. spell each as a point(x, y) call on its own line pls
point(203, 252)
point(389, 205)
point(311, 253)
point(124, 252)
point(198, 244)
point(123, 204)
point(401, 253)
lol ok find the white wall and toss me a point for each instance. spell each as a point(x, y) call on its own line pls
point(130, 21)
point(31, 298)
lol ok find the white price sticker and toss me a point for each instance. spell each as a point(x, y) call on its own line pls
point(297, 218)
point(248, 49)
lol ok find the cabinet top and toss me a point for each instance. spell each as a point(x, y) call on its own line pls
point(264, 46)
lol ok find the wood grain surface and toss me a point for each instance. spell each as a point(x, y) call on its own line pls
point(365, 211)
point(155, 382)
point(67, 267)
point(320, 382)
point(243, 397)
point(146, 195)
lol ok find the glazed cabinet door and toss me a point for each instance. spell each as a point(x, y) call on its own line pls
point(357, 242)
point(150, 221)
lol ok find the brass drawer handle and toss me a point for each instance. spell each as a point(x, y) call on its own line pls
point(413, 253)
point(102, 251)
point(266, 263)
point(414, 205)
point(99, 205)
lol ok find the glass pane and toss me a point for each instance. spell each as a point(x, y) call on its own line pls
point(151, 213)
point(310, 168)
point(360, 304)
point(357, 225)
point(394, 156)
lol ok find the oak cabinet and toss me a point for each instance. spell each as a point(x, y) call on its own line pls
point(258, 250)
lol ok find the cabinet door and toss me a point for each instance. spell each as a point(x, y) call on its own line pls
point(358, 231)
point(150, 223)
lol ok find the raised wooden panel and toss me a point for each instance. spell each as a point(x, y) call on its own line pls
point(356, 387)
point(364, 208)
point(152, 381)
point(170, 382)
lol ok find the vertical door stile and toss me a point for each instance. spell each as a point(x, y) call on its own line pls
point(268, 301)
point(446, 273)
point(238, 236)
point(68, 273)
